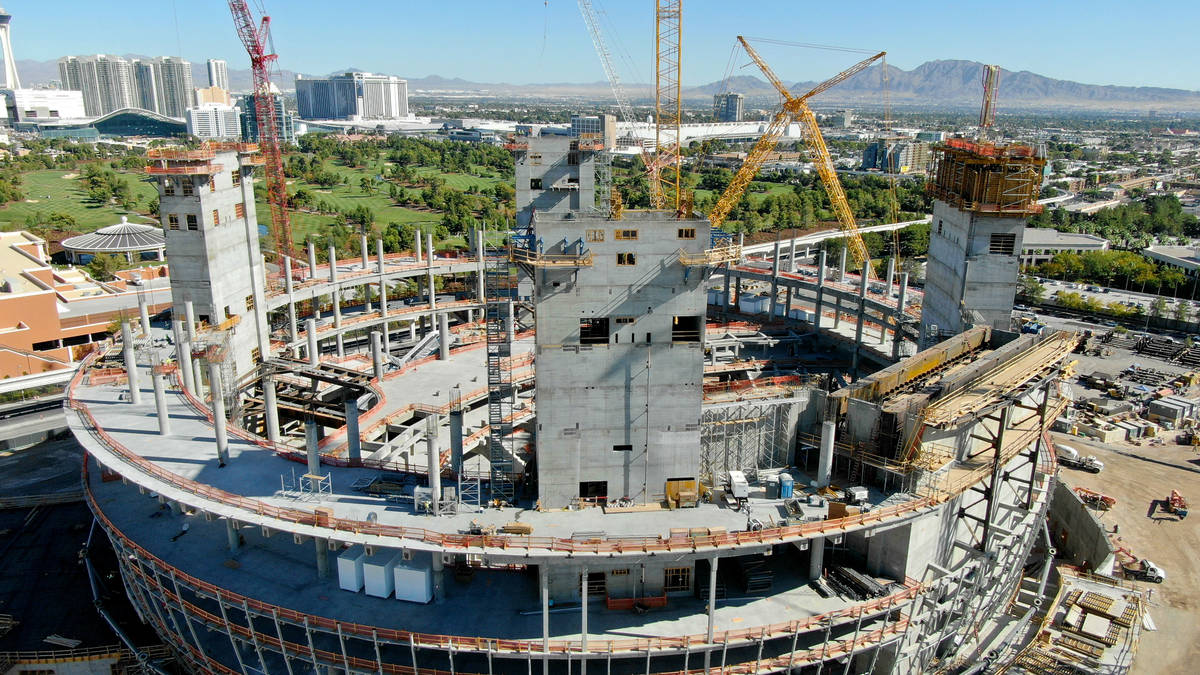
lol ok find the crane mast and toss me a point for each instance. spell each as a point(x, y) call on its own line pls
point(256, 41)
point(797, 109)
point(668, 110)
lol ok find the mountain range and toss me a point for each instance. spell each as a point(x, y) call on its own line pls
point(934, 84)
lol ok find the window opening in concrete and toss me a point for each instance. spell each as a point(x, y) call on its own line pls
point(687, 233)
point(1002, 243)
point(192, 223)
point(188, 187)
point(939, 226)
point(573, 158)
point(237, 177)
point(535, 183)
point(593, 331)
point(250, 302)
point(677, 579)
point(173, 221)
point(626, 259)
point(623, 320)
point(169, 187)
point(624, 447)
point(647, 337)
point(595, 235)
point(597, 583)
point(593, 489)
point(212, 183)
point(626, 235)
point(239, 210)
point(620, 573)
point(216, 217)
point(686, 328)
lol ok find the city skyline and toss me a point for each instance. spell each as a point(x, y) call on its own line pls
point(548, 42)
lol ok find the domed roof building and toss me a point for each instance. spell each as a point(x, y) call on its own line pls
point(147, 241)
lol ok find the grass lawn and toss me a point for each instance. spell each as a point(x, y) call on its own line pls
point(49, 191)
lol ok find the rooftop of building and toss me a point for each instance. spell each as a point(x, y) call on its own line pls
point(17, 256)
point(1187, 257)
point(1044, 236)
point(119, 238)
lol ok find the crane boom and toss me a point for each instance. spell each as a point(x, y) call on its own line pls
point(797, 109)
point(256, 41)
point(987, 112)
point(668, 110)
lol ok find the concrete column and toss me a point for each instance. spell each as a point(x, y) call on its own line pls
point(354, 441)
point(144, 314)
point(439, 578)
point(444, 336)
point(774, 281)
point(434, 462)
point(891, 275)
point(322, 546)
point(337, 322)
point(429, 249)
point(816, 557)
point(842, 265)
point(510, 324)
point(383, 306)
point(456, 440)
point(820, 288)
point(377, 354)
point(272, 408)
point(792, 256)
point(837, 310)
point(362, 245)
point(899, 315)
point(289, 287)
point(218, 409)
point(417, 237)
point(189, 313)
point(310, 327)
point(387, 339)
point(583, 610)
point(787, 310)
point(131, 371)
point(544, 585)
point(183, 354)
point(310, 447)
point(198, 378)
point(858, 326)
point(160, 403)
point(480, 291)
point(412, 330)
point(379, 255)
point(712, 597)
point(825, 464)
point(332, 265)
point(231, 534)
point(312, 260)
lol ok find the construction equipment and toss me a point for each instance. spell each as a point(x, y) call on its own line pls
point(1177, 505)
point(1068, 456)
point(260, 47)
point(987, 112)
point(1144, 570)
point(668, 107)
point(796, 109)
point(1096, 500)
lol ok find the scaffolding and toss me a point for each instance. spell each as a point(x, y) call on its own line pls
point(500, 283)
point(748, 436)
point(986, 178)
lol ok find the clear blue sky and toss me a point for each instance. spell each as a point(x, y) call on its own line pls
point(523, 41)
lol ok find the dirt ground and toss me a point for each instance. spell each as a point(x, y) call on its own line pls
point(1136, 476)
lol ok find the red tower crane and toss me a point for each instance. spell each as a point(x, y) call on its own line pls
point(257, 41)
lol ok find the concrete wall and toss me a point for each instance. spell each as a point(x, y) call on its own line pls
point(1080, 537)
point(567, 178)
point(631, 579)
point(642, 388)
point(218, 266)
point(962, 275)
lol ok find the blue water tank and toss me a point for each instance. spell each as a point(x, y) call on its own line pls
point(785, 486)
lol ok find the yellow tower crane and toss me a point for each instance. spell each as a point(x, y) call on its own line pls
point(668, 106)
point(796, 109)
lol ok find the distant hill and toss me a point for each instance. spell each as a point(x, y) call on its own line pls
point(934, 84)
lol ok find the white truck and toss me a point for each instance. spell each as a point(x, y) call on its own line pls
point(1068, 456)
point(1144, 570)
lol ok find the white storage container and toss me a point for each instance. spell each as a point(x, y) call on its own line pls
point(350, 569)
point(378, 578)
point(414, 579)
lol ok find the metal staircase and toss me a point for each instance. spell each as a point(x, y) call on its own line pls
point(500, 283)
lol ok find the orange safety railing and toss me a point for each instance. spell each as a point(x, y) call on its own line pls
point(181, 154)
point(185, 169)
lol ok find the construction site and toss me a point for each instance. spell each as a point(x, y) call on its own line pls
point(607, 452)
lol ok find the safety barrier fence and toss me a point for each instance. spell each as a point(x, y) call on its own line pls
point(320, 274)
point(911, 589)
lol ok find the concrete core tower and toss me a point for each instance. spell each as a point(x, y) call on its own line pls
point(983, 195)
